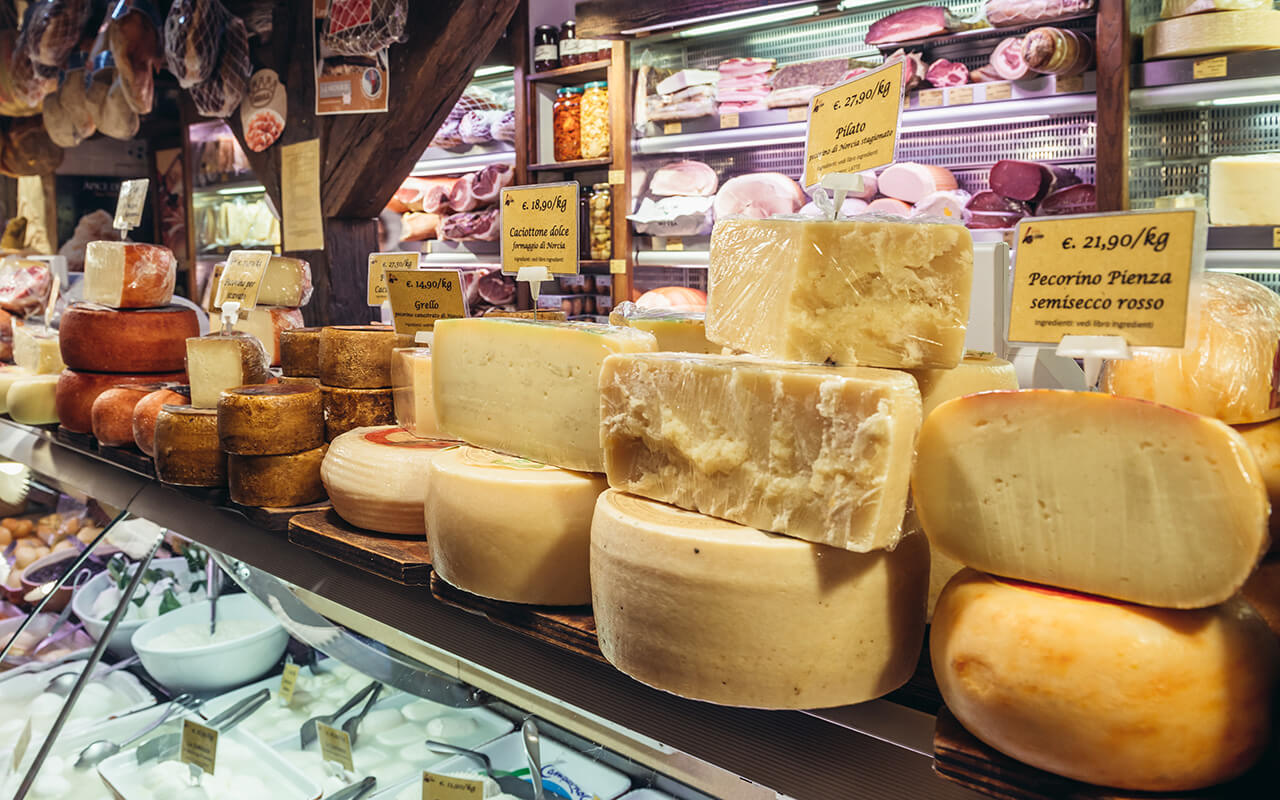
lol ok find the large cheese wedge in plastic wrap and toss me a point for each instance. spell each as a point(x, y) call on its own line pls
point(717, 611)
point(816, 452)
point(1229, 372)
point(1100, 494)
point(857, 291)
point(1104, 692)
point(1201, 34)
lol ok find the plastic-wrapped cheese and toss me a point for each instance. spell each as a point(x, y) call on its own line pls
point(348, 409)
point(412, 393)
point(285, 282)
point(676, 331)
point(855, 291)
point(128, 274)
point(270, 419)
point(1229, 372)
point(221, 361)
point(1100, 494)
point(1242, 190)
point(376, 478)
point(187, 448)
point(1105, 692)
point(145, 413)
point(356, 356)
point(1263, 439)
point(820, 453)
point(300, 352)
point(32, 400)
point(36, 348)
point(716, 611)
point(266, 324)
point(511, 529)
point(143, 340)
point(78, 390)
point(276, 481)
point(1201, 34)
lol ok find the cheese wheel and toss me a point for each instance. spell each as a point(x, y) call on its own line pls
point(264, 324)
point(32, 400)
point(1263, 439)
point(347, 409)
point(1100, 494)
point(1225, 32)
point(375, 475)
point(128, 274)
point(36, 348)
point(511, 529)
point(276, 481)
point(300, 352)
point(1229, 371)
point(1262, 590)
point(270, 419)
point(9, 374)
point(78, 390)
point(412, 393)
point(99, 339)
point(356, 356)
point(112, 414)
point(187, 450)
point(285, 380)
point(1106, 692)
point(220, 361)
point(716, 611)
point(144, 417)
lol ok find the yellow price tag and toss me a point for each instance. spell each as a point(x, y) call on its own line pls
point(419, 297)
point(1209, 68)
point(1127, 274)
point(1275, 238)
point(672, 127)
point(617, 177)
point(540, 228)
point(854, 126)
point(288, 682)
point(1070, 85)
point(999, 91)
point(930, 98)
point(199, 746)
point(444, 787)
point(242, 277)
point(797, 113)
point(379, 264)
point(674, 243)
point(335, 746)
point(960, 96)
point(617, 266)
point(131, 203)
point(728, 120)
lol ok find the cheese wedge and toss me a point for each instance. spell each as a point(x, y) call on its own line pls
point(411, 391)
point(128, 274)
point(221, 361)
point(37, 348)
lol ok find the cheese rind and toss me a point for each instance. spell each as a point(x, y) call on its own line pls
point(1104, 692)
point(112, 414)
point(819, 453)
point(143, 340)
point(348, 409)
point(720, 612)
point(1181, 8)
point(266, 324)
point(1262, 591)
point(511, 529)
point(860, 291)
point(128, 274)
point(356, 356)
point(270, 419)
point(300, 352)
point(77, 391)
point(145, 413)
point(1242, 190)
point(1100, 494)
point(531, 389)
point(187, 449)
point(36, 348)
point(1229, 373)
point(221, 361)
point(1201, 34)
point(412, 393)
point(32, 400)
point(376, 478)
point(285, 282)
point(1263, 440)
point(276, 481)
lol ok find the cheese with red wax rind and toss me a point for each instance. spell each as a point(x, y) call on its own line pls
point(1106, 692)
point(128, 274)
point(264, 323)
point(112, 414)
point(145, 413)
point(1087, 491)
point(97, 339)
point(77, 391)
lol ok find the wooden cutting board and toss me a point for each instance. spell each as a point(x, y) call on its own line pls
point(405, 561)
point(276, 519)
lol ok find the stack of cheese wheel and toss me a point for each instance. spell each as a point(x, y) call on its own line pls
point(285, 288)
point(354, 366)
point(300, 356)
point(126, 334)
point(1098, 632)
point(38, 363)
point(273, 435)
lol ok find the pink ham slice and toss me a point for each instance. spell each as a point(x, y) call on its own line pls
point(1027, 180)
point(1007, 59)
point(1079, 199)
point(462, 196)
point(686, 178)
point(887, 205)
point(435, 200)
point(759, 195)
point(490, 181)
point(947, 73)
point(910, 182)
point(911, 23)
point(481, 226)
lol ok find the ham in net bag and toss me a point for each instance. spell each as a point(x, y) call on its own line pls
point(363, 27)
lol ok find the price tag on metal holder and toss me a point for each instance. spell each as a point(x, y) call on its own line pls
point(199, 746)
point(419, 297)
point(540, 228)
point(130, 205)
point(447, 787)
point(241, 278)
point(1097, 284)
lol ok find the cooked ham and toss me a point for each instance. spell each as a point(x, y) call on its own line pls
point(887, 205)
point(409, 196)
point(912, 23)
point(481, 226)
point(489, 182)
point(910, 182)
point(759, 195)
point(435, 200)
point(1007, 59)
point(462, 196)
point(947, 73)
point(417, 226)
point(687, 178)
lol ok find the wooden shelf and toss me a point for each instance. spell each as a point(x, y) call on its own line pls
point(571, 76)
point(569, 166)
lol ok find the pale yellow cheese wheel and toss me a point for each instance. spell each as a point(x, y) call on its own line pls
point(1102, 691)
point(374, 478)
point(1263, 439)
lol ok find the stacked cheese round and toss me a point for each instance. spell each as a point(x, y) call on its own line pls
point(300, 352)
point(146, 411)
point(273, 435)
point(354, 364)
point(188, 452)
point(284, 289)
point(375, 478)
point(77, 391)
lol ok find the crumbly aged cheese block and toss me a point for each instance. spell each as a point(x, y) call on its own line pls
point(1100, 494)
point(376, 478)
point(187, 449)
point(145, 413)
point(411, 391)
point(100, 339)
point(356, 356)
point(511, 529)
point(300, 352)
point(1105, 692)
point(221, 361)
point(720, 612)
point(270, 419)
point(1263, 439)
point(265, 324)
point(1229, 372)
point(1262, 590)
point(858, 291)
point(78, 390)
point(112, 414)
point(128, 274)
point(1200, 34)
point(36, 348)
point(527, 388)
point(9, 374)
point(820, 453)
point(676, 331)
point(348, 409)
point(33, 400)
point(276, 481)
point(1242, 189)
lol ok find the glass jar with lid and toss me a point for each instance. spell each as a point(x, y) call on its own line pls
point(595, 120)
point(569, 49)
point(546, 48)
point(600, 215)
point(566, 123)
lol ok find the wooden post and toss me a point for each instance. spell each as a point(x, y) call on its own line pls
point(620, 113)
point(1115, 55)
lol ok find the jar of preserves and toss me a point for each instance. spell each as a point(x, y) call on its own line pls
point(546, 48)
point(595, 120)
point(569, 49)
point(601, 218)
point(566, 122)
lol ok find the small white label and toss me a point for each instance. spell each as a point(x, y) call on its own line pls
point(545, 52)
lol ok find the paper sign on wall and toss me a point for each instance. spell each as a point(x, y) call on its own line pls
point(419, 297)
point(335, 745)
point(242, 277)
point(1127, 274)
point(540, 228)
point(199, 746)
point(379, 264)
point(132, 202)
point(303, 221)
point(854, 126)
point(445, 787)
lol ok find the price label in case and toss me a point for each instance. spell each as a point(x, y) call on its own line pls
point(419, 297)
point(999, 91)
point(960, 96)
point(242, 277)
point(1127, 274)
point(540, 228)
point(132, 201)
point(1209, 68)
point(199, 746)
point(288, 682)
point(444, 787)
point(335, 745)
point(854, 126)
point(930, 98)
point(379, 264)
point(1275, 238)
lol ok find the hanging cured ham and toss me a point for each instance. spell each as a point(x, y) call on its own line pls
point(191, 35)
point(134, 41)
point(220, 96)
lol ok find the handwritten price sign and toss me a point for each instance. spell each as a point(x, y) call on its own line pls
point(419, 297)
point(854, 126)
point(540, 228)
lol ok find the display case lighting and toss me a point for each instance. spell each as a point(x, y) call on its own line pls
point(753, 21)
point(243, 189)
point(1247, 99)
point(490, 72)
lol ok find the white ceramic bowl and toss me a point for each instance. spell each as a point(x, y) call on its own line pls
point(83, 599)
point(215, 667)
